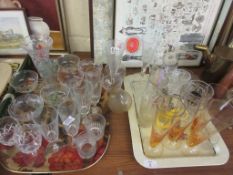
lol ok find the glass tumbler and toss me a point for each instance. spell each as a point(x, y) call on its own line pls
point(95, 123)
point(168, 109)
point(86, 145)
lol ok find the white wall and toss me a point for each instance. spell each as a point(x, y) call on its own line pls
point(77, 19)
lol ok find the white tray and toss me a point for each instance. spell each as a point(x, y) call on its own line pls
point(220, 157)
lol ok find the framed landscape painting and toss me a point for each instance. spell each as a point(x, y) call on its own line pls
point(13, 29)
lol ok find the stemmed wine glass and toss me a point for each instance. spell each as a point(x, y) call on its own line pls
point(48, 124)
point(93, 73)
point(70, 116)
point(68, 72)
point(82, 95)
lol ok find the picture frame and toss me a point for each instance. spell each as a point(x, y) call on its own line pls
point(13, 29)
point(184, 22)
point(54, 17)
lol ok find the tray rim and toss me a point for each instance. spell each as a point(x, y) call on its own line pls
point(222, 152)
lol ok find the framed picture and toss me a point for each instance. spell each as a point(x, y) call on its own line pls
point(13, 29)
point(178, 24)
point(52, 12)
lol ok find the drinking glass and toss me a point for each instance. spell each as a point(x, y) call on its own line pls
point(68, 72)
point(219, 114)
point(204, 92)
point(145, 102)
point(108, 85)
point(93, 73)
point(168, 108)
point(28, 138)
point(176, 132)
point(54, 94)
point(70, 116)
point(86, 145)
point(95, 123)
point(114, 51)
point(176, 79)
point(23, 108)
point(48, 125)
point(83, 96)
point(38, 47)
point(7, 131)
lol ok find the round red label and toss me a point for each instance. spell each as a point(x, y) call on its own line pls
point(132, 45)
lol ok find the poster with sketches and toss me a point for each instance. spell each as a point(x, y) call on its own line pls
point(169, 23)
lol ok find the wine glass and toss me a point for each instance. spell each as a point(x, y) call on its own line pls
point(7, 131)
point(82, 95)
point(70, 116)
point(28, 138)
point(54, 94)
point(68, 71)
point(114, 51)
point(48, 124)
point(93, 73)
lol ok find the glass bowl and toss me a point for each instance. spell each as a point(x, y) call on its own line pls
point(25, 107)
point(24, 81)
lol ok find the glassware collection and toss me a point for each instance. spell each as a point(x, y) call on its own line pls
point(179, 112)
point(56, 115)
point(175, 107)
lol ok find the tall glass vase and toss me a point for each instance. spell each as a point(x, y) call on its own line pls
point(38, 47)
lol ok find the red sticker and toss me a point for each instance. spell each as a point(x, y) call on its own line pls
point(132, 45)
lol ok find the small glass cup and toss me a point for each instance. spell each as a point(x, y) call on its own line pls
point(24, 81)
point(86, 145)
point(7, 131)
point(95, 123)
